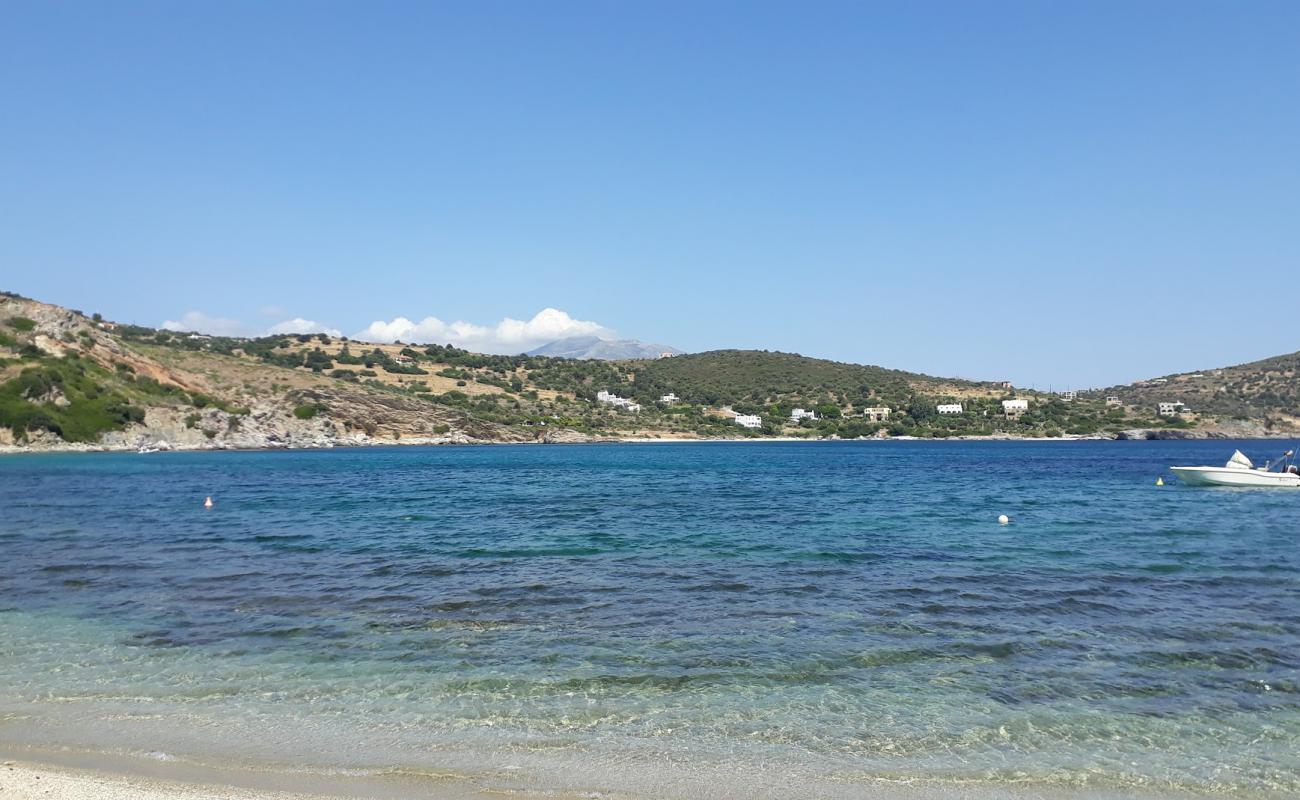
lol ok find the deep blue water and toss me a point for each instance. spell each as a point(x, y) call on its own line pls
point(848, 610)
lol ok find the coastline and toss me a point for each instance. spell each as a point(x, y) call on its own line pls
point(350, 443)
point(71, 775)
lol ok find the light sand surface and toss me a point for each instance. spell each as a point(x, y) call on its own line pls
point(27, 782)
point(21, 780)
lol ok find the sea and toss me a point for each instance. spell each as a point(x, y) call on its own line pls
point(694, 620)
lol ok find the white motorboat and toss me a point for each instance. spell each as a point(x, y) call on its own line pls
point(1241, 471)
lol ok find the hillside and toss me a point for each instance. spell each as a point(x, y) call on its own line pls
point(753, 376)
point(72, 381)
point(68, 379)
point(1267, 391)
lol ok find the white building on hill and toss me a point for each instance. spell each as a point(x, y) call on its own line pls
point(876, 414)
point(948, 408)
point(1170, 409)
point(1014, 408)
point(617, 402)
point(669, 399)
point(801, 414)
point(749, 420)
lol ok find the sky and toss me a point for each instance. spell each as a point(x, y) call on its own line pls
point(1063, 196)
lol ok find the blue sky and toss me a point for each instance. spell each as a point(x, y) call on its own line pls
point(1057, 196)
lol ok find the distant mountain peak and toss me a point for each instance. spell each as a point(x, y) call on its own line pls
point(595, 348)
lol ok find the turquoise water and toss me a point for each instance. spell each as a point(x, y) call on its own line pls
point(832, 615)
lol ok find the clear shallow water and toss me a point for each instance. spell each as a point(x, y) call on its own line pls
point(833, 612)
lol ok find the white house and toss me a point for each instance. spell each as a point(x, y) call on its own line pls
point(669, 399)
point(618, 402)
point(1069, 396)
point(948, 408)
point(749, 420)
point(1014, 408)
point(876, 414)
point(1170, 409)
point(800, 414)
point(1112, 401)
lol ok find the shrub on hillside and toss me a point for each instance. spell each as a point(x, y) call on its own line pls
point(309, 410)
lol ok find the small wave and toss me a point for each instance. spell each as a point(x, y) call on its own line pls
point(720, 586)
point(530, 552)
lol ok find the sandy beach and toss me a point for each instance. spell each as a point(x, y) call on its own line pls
point(24, 780)
point(20, 781)
point(138, 780)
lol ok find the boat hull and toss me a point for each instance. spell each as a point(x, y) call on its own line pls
point(1226, 476)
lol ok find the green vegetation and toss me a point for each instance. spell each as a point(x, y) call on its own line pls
point(22, 324)
point(309, 410)
point(736, 376)
point(67, 397)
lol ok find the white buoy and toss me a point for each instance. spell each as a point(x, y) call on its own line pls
point(208, 503)
point(1003, 519)
point(1160, 481)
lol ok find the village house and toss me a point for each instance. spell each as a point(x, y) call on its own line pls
point(876, 414)
point(403, 360)
point(618, 402)
point(1112, 401)
point(1014, 408)
point(749, 420)
point(948, 408)
point(801, 414)
point(1069, 396)
point(669, 399)
point(1170, 409)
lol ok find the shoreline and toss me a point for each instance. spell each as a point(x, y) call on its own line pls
point(81, 775)
point(74, 447)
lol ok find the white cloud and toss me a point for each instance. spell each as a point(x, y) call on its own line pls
point(202, 323)
point(508, 336)
point(221, 326)
point(300, 325)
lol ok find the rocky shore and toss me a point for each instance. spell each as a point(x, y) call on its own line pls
point(281, 436)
